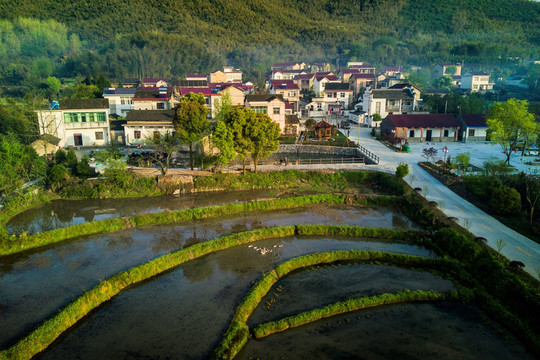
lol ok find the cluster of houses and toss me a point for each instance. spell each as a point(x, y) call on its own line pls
point(294, 91)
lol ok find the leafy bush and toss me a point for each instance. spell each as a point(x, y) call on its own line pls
point(71, 159)
point(402, 170)
point(83, 168)
point(505, 201)
point(60, 157)
point(56, 174)
point(483, 186)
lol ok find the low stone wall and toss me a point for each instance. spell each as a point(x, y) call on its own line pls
point(317, 149)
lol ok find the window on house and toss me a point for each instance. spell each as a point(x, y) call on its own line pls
point(137, 134)
point(122, 101)
point(101, 117)
point(411, 133)
point(160, 106)
point(276, 110)
point(67, 118)
point(475, 86)
point(341, 95)
point(259, 109)
point(99, 135)
point(471, 132)
point(378, 108)
point(445, 133)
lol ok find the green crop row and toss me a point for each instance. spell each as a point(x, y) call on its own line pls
point(343, 307)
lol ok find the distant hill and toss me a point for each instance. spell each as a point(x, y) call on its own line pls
point(171, 37)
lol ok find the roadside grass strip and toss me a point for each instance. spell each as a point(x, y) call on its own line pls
point(350, 305)
point(237, 333)
point(11, 244)
point(51, 329)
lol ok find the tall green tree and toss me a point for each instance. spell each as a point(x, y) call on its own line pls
point(263, 134)
point(236, 123)
point(223, 139)
point(191, 123)
point(511, 123)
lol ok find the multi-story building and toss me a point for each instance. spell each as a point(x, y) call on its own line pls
point(151, 98)
point(288, 90)
point(143, 124)
point(77, 122)
point(476, 81)
point(120, 100)
point(272, 105)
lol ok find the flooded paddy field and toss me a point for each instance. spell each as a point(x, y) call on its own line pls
point(183, 313)
point(410, 331)
point(35, 284)
point(62, 213)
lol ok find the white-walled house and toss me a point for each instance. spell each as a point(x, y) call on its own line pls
point(421, 127)
point(476, 81)
point(272, 105)
point(339, 92)
point(142, 124)
point(390, 101)
point(473, 127)
point(77, 122)
point(120, 100)
point(320, 81)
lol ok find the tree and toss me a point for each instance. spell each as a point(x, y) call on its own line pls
point(511, 123)
point(444, 82)
point(402, 170)
point(223, 139)
point(429, 153)
point(222, 106)
point(532, 193)
point(54, 85)
point(263, 133)
point(18, 164)
point(190, 123)
point(451, 70)
point(83, 91)
point(463, 160)
point(191, 96)
point(164, 146)
point(236, 123)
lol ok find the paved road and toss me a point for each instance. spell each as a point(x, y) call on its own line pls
point(516, 246)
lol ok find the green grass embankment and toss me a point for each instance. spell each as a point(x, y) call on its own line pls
point(12, 244)
point(237, 333)
point(350, 305)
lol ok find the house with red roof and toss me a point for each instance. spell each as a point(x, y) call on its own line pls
point(155, 82)
point(320, 81)
point(322, 130)
point(304, 81)
point(288, 90)
point(359, 81)
point(285, 74)
point(473, 127)
point(421, 127)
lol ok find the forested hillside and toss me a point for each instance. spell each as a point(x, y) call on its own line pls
point(135, 38)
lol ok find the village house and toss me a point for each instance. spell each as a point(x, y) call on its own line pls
point(304, 81)
point(322, 107)
point(441, 69)
point(339, 92)
point(391, 71)
point(272, 105)
point(155, 82)
point(152, 98)
point(120, 100)
point(293, 65)
point(76, 122)
point(363, 68)
point(229, 74)
point(292, 125)
point(357, 82)
point(288, 90)
point(285, 74)
point(321, 80)
point(128, 83)
point(402, 100)
point(476, 81)
point(143, 124)
point(473, 127)
point(196, 77)
point(420, 127)
point(320, 67)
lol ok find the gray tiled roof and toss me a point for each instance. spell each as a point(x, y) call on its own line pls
point(84, 104)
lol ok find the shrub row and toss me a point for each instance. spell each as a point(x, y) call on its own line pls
point(46, 333)
point(10, 245)
point(235, 337)
point(343, 307)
